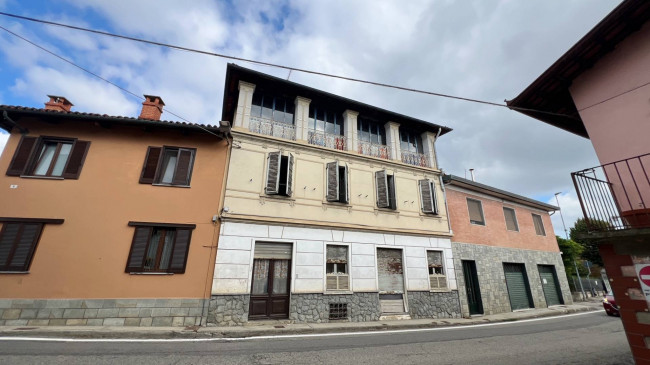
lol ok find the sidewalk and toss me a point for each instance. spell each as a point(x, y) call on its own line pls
point(275, 328)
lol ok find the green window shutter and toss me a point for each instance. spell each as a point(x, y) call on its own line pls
point(150, 165)
point(76, 160)
point(381, 180)
point(333, 181)
point(273, 173)
point(20, 161)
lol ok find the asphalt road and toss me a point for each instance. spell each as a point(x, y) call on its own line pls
point(591, 338)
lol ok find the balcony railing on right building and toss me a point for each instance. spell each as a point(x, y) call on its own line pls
point(615, 196)
point(414, 158)
point(329, 140)
point(374, 150)
point(272, 128)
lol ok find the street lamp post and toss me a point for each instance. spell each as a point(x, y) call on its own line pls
point(566, 234)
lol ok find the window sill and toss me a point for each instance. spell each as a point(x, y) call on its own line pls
point(337, 204)
point(42, 177)
point(386, 210)
point(477, 224)
point(278, 197)
point(173, 186)
point(151, 273)
point(439, 290)
point(14, 272)
point(430, 215)
point(337, 292)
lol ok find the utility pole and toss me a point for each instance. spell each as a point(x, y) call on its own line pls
point(566, 234)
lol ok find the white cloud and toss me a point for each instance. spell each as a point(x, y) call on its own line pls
point(4, 137)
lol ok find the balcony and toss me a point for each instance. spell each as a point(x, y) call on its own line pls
point(272, 128)
point(415, 159)
point(320, 138)
point(373, 150)
point(615, 196)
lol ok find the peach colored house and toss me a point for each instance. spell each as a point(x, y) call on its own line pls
point(505, 252)
point(599, 90)
point(107, 220)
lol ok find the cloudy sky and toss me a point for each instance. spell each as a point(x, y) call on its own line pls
point(489, 50)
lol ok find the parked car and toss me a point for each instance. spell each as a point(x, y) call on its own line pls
point(610, 305)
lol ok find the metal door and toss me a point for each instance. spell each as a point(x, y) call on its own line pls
point(472, 288)
point(550, 285)
point(390, 273)
point(518, 289)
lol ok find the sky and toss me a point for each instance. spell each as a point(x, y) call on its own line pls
point(483, 49)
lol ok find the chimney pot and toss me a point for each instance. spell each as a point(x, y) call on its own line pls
point(58, 103)
point(152, 107)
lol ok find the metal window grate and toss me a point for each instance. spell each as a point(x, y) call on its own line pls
point(338, 311)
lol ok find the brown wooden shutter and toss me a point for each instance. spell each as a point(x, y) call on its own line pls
point(273, 173)
point(381, 180)
point(22, 156)
point(290, 161)
point(25, 246)
point(426, 196)
point(8, 236)
point(539, 225)
point(76, 160)
point(150, 165)
point(511, 220)
point(183, 167)
point(333, 181)
point(138, 249)
point(475, 211)
point(181, 248)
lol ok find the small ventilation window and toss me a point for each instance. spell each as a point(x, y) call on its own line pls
point(338, 311)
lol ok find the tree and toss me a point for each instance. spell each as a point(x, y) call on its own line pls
point(571, 251)
point(590, 247)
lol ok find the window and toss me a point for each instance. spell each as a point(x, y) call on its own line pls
point(428, 196)
point(410, 142)
point(385, 190)
point(511, 219)
point(273, 108)
point(49, 157)
point(159, 248)
point(475, 212)
point(279, 174)
point(323, 120)
point(371, 131)
point(437, 278)
point(18, 240)
point(337, 182)
point(336, 268)
point(539, 225)
point(168, 166)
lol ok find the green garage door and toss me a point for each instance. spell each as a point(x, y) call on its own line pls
point(517, 284)
point(550, 285)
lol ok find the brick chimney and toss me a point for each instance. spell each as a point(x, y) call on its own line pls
point(152, 107)
point(58, 103)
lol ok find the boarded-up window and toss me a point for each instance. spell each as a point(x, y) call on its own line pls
point(511, 219)
point(337, 182)
point(159, 247)
point(390, 271)
point(428, 196)
point(539, 226)
point(49, 157)
point(336, 268)
point(168, 166)
point(437, 277)
point(475, 211)
point(279, 174)
point(385, 185)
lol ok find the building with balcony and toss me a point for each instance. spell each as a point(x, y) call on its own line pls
point(505, 252)
point(333, 210)
point(599, 90)
point(107, 220)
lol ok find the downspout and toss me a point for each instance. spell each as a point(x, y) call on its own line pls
point(13, 123)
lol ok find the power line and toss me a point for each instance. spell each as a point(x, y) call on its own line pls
point(214, 54)
point(98, 76)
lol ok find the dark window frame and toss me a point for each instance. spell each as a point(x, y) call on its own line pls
point(514, 217)
point(6, 267)
point(330, 118)
point(28, 155)
point(475, 222)
point(287, 108)
point(410, 141)
point(541, 225)
point(376, 132)
point(136, 265)
point(153, 176)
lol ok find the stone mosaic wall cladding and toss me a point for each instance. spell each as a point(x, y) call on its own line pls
point(101, 312)
point(433, 304)
point(228, 310)
point(314, 308)
point(489, 266)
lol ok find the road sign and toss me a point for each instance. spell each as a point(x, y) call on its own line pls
point(644, 274)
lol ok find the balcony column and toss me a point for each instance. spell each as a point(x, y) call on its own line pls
point(301, 118)
point(244, 102)
point(350, 129)
point(392, 140)
point(428, 141)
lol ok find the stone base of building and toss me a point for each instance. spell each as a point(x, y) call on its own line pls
point(228, 310)
point(315, 308)
point(424, 304)
point(102, 312)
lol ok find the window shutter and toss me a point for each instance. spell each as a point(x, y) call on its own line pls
point(382, 189)
point(138, 249)
point(332, 282)
point(273, 173)
point(511, 221)
point(181, 248)
point(289, 174)
point(8, 236)
point(150, 165)
point(433, 197)
point(345, 189)
point(183, 167)
point(25, 246)
point(344, 282)
point(333, 181)
point(475, 213)
point(22, 156)
point(426, 196)
point(76, 160)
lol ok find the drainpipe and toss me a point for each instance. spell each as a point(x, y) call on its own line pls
point(5, 116)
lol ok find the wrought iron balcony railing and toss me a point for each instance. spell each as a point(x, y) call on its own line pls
point(415, 159)
point(320, 138)
point(272, 128)
point(373, 150)
point(616, 195)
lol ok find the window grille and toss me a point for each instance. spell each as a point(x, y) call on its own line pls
point(338, 311)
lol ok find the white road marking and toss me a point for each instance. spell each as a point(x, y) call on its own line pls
point(361, 333)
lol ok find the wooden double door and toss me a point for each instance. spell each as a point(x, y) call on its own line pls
point(270, 289)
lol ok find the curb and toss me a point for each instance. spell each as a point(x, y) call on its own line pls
point(208, 333)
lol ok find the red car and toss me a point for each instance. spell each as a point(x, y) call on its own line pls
point(610, 305)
